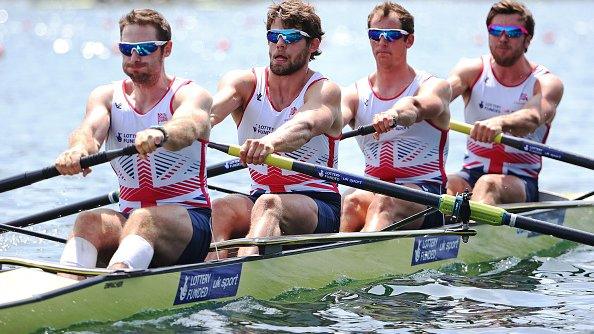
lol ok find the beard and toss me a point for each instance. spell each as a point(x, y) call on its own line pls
point(145, 75)
point(291, 66)
point(509, 60)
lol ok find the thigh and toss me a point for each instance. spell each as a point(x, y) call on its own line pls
point(457, 184)
point(296, 213)
point(231, 217)
point(503, 188)
point(167, 228)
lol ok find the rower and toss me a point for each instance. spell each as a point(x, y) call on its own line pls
point(164, 206)
point(504, 93)
point(289, 109)
point(409, 111)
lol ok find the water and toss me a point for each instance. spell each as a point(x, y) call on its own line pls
point(52, 54)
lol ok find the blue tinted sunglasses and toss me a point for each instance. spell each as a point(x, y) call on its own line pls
point(142, 48)
point(389, 35)
point(289, 35)
point(510, 31)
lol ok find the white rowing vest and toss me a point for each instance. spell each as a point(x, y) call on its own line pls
point(490, 98)
point(166, 177)
point(261, 118)
point(402, 155)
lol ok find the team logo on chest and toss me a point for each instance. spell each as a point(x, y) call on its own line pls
point(161, 117)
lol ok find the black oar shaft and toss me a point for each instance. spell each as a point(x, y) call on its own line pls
point(547, 151)
point(8, 228)
point(66, 210)
point(547, 228)
point(224, 167)
point(360, 131)
point(31, 177)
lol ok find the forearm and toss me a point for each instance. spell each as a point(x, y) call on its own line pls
point(521, 123)
point(82, 138)
point(182, 132)
point(291, 136)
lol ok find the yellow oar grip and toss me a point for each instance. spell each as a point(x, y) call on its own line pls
point(484, 213)
point(271, 159)
point(465, 128)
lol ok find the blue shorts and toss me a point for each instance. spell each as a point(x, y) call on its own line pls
point(530, 184)
point(197, 248)
point(328, 209)
point(436, 218)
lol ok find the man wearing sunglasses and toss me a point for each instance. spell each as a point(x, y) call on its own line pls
point(164, 207)
point(287, 109)
point(409, 111)
point(504, 93)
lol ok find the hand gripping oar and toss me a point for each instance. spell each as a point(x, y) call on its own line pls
point(113, 197)
point(445, 203)
point(28, 178)
point(531, 147)
point(363, 130)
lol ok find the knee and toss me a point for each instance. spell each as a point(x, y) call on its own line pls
point(88, 223)
point(456, 184)
point(351, 203)
point(227, 218)
point(268, 202)
point(488, 182)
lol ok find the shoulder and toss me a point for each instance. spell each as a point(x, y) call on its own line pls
point(239, 79)
point(103, 93)
point(549, 84)
point(350, 93)
point(325, 89)
point(468, 67)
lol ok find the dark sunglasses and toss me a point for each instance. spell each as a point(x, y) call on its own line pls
point(389, 35)
point(289, 35)
point(142, 48)
point(511, 31)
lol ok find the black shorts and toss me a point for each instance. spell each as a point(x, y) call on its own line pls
point(197, 248)
point(328, 209)
point(530, 184)
point(436, 218)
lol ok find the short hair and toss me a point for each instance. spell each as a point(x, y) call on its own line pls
point(147, 17)
point(512, 7)
point(407, 21)
point(299, 15)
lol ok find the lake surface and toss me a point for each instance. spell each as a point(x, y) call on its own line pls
point(52, 54)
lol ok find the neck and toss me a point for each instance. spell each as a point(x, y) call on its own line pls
point(390, 80)
point(145, 96)
point(283, 89)
point(513, 74)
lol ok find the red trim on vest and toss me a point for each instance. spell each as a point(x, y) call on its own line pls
point(173, 96)
point(156, 104)
point(391, 98)
point(504, 85)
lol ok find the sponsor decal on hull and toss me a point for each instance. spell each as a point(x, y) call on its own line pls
point(435, 248)
point(208, 283)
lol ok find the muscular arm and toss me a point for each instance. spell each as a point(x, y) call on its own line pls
point(189, 122)
point(90, 134)
point(463, 76)
point(319, 114)
point(348, 105)
point(233, 91)
point(316, 116)
point(538, 110)
point(431, 102)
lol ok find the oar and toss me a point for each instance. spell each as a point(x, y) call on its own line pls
point(113, 197)
point(445, 203)
point(28, 178)
point(531, 147)
point(363, 130)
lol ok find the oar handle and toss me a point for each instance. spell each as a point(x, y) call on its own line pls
point(31, 177)
point(363, 130)
point(360, 131)
point(531, 147)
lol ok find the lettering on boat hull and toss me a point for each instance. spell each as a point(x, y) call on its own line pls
point(208, 283)
point(435, 248)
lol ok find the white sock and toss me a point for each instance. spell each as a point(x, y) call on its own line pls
point(134, 251)
point(79, 252)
